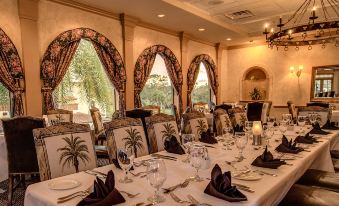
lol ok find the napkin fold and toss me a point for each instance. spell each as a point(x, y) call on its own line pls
point(238, 128)
point(104, 193)
point(220, 186)
point(330, 125)
point(173, 146)
point(317, 130)
point(307, 139)
point(266, 160)
point(207, 137)
point(288, 146)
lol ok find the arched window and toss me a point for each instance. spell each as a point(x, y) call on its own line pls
point(158, 89)
point(85, 84)
point(5, 102)
point(201, 91)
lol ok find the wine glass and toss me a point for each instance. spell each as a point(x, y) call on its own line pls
point(301, 122)
point(125, 159)
point(241, 140)
point(248, 127)
point(156, 176)
point(268, 133)
point(228, 137)
point(270, 122)
point(187, 140)
point(313, 118)
point(283, 127)
point(287, 118)
point(196, 158)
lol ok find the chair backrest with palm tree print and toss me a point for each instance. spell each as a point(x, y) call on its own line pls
point(238, 116)
point(159, 128)
point(127, 133)
point(195, 123)
point(221, 120)
point(64, 149)
point(292, 109)
point(153, 108)
point(58, 116)
point(97, 121)
point(323, 114)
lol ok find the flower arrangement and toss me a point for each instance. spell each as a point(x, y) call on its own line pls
point(256, 94)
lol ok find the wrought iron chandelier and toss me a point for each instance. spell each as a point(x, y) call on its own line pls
point(295, 32)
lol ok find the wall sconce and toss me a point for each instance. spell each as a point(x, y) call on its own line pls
point(297, 71)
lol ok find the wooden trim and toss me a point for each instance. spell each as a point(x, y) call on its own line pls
point(283, 106)
point(242, 46)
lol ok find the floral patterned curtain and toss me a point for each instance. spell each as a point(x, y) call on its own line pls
point(144, 66)
point(10, 72)
point(62, 49)
point(193, 71)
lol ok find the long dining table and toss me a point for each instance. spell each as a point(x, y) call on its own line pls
point(268, 190)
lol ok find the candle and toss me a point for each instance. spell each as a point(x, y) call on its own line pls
point(257, 129)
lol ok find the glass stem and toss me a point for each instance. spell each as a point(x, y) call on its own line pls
point(197, 173)
point(125, 178)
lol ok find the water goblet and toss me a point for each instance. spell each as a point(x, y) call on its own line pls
point(187, 140)
point(248, 127)
point(287, 118)
point(268, 133)
point(313, 118)
point(156, 176)
point(125, 158)
point(283, 127)
point(241, 140)
point(196, 158)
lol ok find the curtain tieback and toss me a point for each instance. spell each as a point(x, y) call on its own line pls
point(46, 89)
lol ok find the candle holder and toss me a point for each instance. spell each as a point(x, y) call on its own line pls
point(257, 140)
point(257, 132)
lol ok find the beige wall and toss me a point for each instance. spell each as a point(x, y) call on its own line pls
point(284, 86)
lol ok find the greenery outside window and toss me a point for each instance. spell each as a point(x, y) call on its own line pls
point(201, 91)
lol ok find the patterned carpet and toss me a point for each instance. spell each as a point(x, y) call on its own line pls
point(19, 193)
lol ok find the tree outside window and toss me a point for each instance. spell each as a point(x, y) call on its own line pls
point(201, 90)
point(85, 84)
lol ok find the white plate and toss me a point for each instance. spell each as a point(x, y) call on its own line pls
point(63, 184)
point(251, 176)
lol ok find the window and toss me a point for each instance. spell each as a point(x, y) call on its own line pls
point(158, 89)
point(323, 83)
point(5, 103)
point(85, 84)
point(201, 90)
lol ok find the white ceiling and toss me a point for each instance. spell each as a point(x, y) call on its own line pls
point(189, 15)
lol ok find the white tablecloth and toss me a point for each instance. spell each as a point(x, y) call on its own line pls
point(268, 190)
point(3, 159)
point(335, 116)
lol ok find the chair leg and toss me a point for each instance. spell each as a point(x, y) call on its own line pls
point(10, 190)
point(23, 180)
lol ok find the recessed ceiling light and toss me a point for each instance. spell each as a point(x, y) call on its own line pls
point(161, 15)
point(201, 29)
point(251, 41)
point(215, 2)
point(228, 39)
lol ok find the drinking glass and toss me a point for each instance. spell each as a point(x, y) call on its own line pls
point(283, 126)
point(187, 140)
point(196, 158)
point(270, 122)
point(241, 140)
point(301, 123)
point(248, 127)
point(125, 159)
point(227, 137)
point(287, 118)
point(313, 118)
point(268, 133)
point(156, 176)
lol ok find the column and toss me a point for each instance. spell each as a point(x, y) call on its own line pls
point(219, 50)
point(184, 38)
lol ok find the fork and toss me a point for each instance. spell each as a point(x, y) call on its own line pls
point(137, 174)
point(196, 202)
point(182, 185)
point(129, 194)
point(74, 195)
point(177, 199)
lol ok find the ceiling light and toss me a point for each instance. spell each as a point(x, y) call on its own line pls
point(215, 2)
point(161, 15)
point(228, 39)
point(201, 29)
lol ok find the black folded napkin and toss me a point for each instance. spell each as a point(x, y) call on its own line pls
point(238, 128)
point(288, 146)
point(266, 160)
point(317, 130)
point(275, 124)
point(173, 146)
point(208, 137)
point(220, 186)
point(330, 125)
point(104, 193)
point(307, 139)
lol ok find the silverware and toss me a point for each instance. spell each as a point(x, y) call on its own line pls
point(71, 196)
point(196, 202)
point(129, 194)
point(164, 157)
point(231, 164)
point(137, 174)
point(209, 146)
point(75, 193)
point(139, 204)
point(265, 173)
point(99, 173)
point(177, 199)
point(181, 185)
point(245, 189)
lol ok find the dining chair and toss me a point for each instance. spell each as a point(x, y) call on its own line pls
point(200, 106)
point(292, 110)
point(99, 134)
point(318, 178)
point(266, 109)
point(64, 149)
point(127, 133)
point(254, 111)
point(159, 128)
point(221, 121)
point(175, 113)
point(195, 123)
point(238, 116)
point(21, 153)
point(318, 104)
point(225, 107)
point(154, 109)
point(322, 113)
point(59, 115)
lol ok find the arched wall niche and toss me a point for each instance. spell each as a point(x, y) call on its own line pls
point(255, 84)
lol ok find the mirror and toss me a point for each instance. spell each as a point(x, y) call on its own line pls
point(325, 83)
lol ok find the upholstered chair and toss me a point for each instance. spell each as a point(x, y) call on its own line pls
point(57, 145)
point(266, 108)
point(292, 110)
point(221, 121)
point(59, 115)
point(21, 153)
point(175, 113)
point(318, 104)
point(254, 111)
point(225, 107)
point(99, 134)
point(159, 127)
point(238, 116)
point(127, 133)
point(154, 109)
point(323, 113)
point(326, 180)
point(194, 123)
point(200, 106)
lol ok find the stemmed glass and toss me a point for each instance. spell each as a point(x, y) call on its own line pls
point(268, 133)
point(241, 140)
point(196, 158)
point(283, 127)
point(313, 118)
point(301, 122)
point(156, 176)
point(187, 140)
point(287, 118)
point(270, 122)
point(125, 159)
point(248, 127)
point(227, 136)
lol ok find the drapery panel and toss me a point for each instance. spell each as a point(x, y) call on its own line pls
point(143, 68)
point(193, 71)
point(55, 62)
point(10, 72)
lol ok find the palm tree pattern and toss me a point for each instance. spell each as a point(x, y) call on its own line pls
point(227, 121)
point(72, 152)
point(133, 140)
point(243, 119)
point(201, 126)
point(168, 132)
